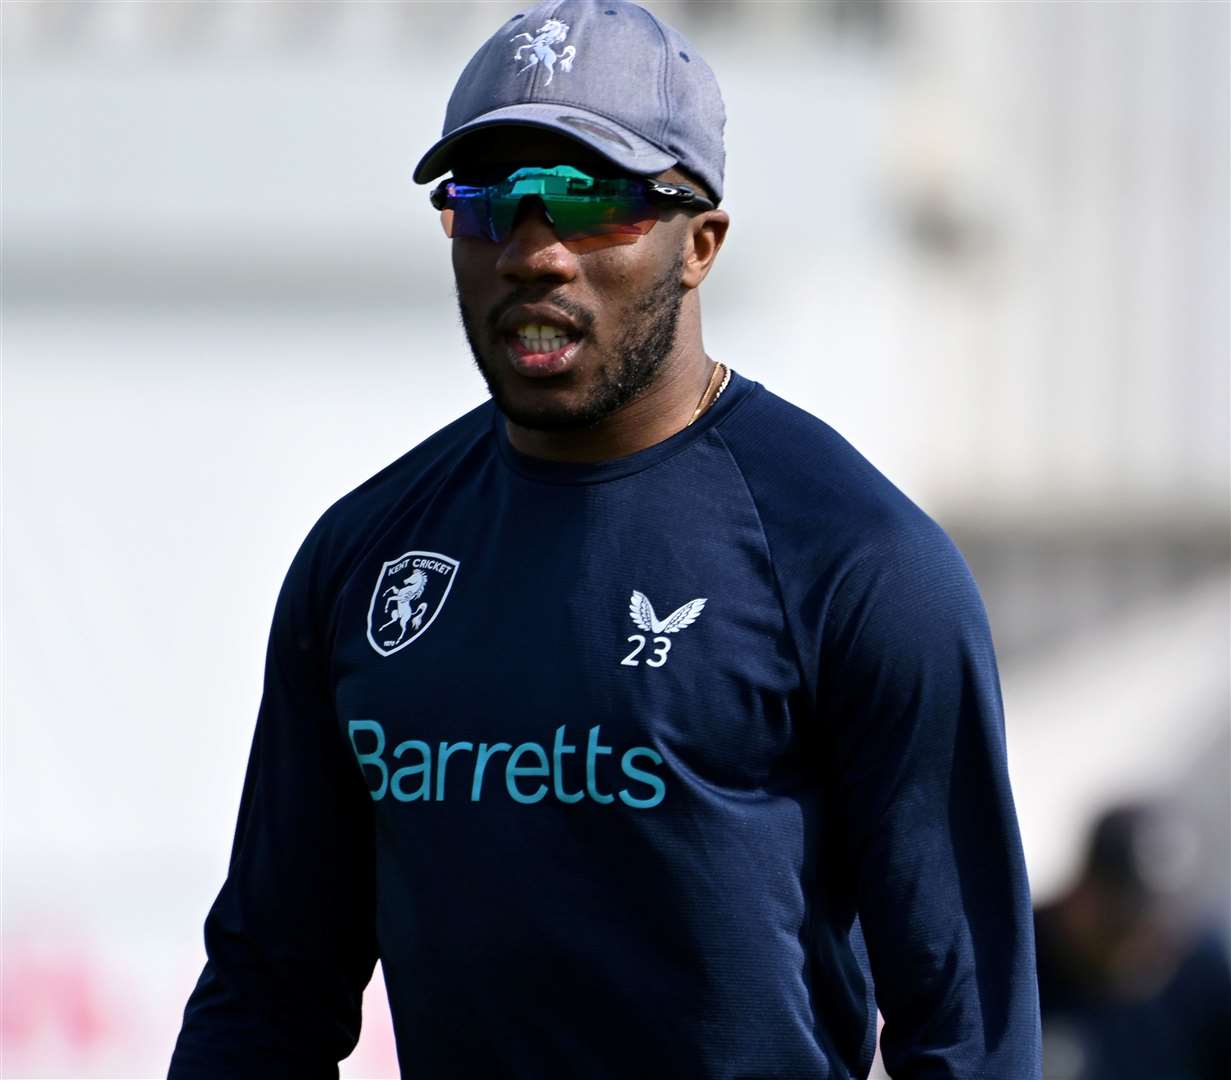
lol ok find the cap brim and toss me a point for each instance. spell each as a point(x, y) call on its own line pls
point(616, 143)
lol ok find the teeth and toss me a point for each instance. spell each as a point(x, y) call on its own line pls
point(542, 338)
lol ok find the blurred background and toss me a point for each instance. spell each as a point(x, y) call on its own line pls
point(987, 242)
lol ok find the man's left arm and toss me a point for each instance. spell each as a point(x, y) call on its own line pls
point(913, 722)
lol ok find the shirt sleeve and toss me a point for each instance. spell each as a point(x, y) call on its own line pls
point(914, 729)
point(290, 939)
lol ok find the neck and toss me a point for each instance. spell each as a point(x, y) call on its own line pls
point(657, 414)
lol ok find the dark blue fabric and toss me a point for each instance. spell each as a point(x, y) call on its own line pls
point(674, 853)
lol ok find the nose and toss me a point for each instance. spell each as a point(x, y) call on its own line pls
point(533, 251)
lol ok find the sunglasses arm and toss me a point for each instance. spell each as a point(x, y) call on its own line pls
point(677, 195)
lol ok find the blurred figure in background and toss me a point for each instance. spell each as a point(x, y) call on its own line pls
point(1132, 984)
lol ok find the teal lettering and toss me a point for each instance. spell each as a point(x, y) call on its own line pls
point(424, 768)
point(413, 781)
point(373, 759)
point(485, 752)
point(592, 751)
point(633, 773)
point(447, 748)
point(558, 752)
point(512, 771)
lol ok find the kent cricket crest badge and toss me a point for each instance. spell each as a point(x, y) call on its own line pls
point(410, 591)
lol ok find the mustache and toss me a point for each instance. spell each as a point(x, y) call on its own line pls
point(582, 316)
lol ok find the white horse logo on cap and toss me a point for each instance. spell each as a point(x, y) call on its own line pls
point(552, 32)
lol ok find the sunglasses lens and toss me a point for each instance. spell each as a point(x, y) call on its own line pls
point(601, 216)
point(465, 212)
point(586, 213)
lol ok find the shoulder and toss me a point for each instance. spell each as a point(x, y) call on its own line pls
point(817, 495)
point(338, 539)
point(420, 469)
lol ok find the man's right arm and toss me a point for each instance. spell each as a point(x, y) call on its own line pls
point(290, 940)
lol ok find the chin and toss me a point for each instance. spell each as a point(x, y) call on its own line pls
point(544, 408)
point(602, 384)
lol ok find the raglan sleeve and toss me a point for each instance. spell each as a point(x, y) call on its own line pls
point(290, 939)
point(913, 719)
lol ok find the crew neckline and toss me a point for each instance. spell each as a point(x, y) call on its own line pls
point(593, 472)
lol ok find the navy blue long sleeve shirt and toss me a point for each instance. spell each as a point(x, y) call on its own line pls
point(674, 765)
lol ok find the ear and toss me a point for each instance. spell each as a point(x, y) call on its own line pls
point(706, 232)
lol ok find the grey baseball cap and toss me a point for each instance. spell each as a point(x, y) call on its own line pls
point(604, 72)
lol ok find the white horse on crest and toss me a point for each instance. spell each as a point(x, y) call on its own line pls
point(552, 32)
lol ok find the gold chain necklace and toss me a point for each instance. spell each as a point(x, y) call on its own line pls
point(701, 405)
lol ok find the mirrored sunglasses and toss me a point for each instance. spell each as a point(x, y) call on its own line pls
point(585, 211)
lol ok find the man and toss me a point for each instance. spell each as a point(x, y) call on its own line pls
point(1133, 984)
point(619, 713)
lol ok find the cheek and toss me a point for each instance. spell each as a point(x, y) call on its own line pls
point(620, 285)
point(617, 276)
point(473, 265)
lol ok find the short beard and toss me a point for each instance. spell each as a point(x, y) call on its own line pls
point(634, 360)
